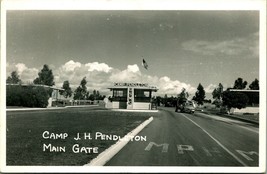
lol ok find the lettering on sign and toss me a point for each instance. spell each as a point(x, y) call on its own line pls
point(209, 152)
point(51, 148)
point(245, 154)
point(130, 95)
point(132, 84)
point(48, 135)
point(151, 144)
point(182, 148)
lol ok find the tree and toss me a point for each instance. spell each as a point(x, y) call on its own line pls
point(29, 96)
point(94, 94)
point(164, 101)
point(239, 84)
point(182, 97)
point(159, 100)
point(217, 92)
point(233, 99)
point(199, 95)
point(67, 90)
point(91, 97)
point(217, 95)
point(97, 95)
point(254, 85)
point(45, 77)
point(81, 92)
point(13, 78)
point(254, 96)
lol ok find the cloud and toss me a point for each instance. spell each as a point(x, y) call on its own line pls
point(71, 65)
point(172, 87)
point(247, 47)
point(131, 74)
point(26, 74)
point(97, 75)
point(101, 76)
point(133, 68)
point(210, 88)
point(20, 68)
point(95, 66)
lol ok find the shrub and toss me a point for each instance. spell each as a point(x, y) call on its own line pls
point(235, 99)
point(27, 96)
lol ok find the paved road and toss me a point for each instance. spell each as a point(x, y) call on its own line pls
point(180, 139)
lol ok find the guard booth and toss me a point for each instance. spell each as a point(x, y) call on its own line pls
point(132, 96)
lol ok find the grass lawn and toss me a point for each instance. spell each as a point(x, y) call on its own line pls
point(25, 129)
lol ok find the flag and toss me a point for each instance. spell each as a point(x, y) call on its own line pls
point(145, 64)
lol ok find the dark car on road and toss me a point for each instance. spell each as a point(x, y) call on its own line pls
point(187, 107)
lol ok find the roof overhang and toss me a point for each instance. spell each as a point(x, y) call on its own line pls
point(36, 85)
point(244, 90)
point(143, 86)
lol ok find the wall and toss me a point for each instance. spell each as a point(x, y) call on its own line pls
point(115, 105)
point(141, 105)
point(253, 110)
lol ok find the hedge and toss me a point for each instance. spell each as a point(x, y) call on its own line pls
point(27, 96)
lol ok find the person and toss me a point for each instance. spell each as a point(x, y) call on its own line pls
point(106, 100)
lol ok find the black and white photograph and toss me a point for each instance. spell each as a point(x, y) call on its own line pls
point(164, 88)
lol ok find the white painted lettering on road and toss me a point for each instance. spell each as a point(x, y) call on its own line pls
point(214, 150)
point(181, 148)
point(245, 154)
point(151, 144)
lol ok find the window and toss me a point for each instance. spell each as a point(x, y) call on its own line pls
point(119, 95)
point(142, 95)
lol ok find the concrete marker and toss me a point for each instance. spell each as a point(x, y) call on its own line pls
point(107, 154)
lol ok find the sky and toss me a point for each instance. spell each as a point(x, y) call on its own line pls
point(182, 48)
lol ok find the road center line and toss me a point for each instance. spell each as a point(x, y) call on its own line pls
point(218, 142)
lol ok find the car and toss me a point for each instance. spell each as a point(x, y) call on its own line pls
point(187, 107)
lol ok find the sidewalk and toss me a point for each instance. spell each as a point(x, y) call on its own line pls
point(239, 117)
point(232, 117)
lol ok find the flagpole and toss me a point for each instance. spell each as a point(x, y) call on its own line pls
point(141, 75)
point(141, 71)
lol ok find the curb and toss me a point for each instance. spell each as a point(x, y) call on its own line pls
point(34, 109)
point(107, 154)
point(227, 117)
point(238, 118)
point(134, 110)
point(50, 108)
point(232, 116)
point(80, 106)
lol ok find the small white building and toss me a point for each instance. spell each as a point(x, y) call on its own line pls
point(55, 96)
point(131, 96)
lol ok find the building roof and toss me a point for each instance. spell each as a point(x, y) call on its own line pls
point(244, 90)
point(133, 85)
